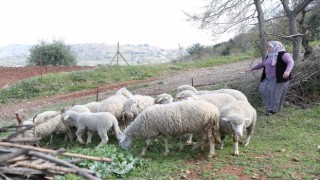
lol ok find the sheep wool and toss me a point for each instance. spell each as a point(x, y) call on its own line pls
point(134, 105)
point(174, 119)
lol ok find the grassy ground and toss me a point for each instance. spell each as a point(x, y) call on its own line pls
point(283, 147)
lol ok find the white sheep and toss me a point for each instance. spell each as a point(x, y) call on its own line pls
point(236, 93)
point(217, 99)
point(174, 119)
point(100, 122)
point(49, 123)
point(234, 118)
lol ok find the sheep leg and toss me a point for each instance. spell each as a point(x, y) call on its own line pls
point(189, 141)
point(249, 134)
point(89, 133)
point(148, 142)
point(222, 141)
point(166, 147)
point(79, 134)
point(104, 137)
point(70, 135)
point(181, 144)
point(235, 145)
point(212, 144)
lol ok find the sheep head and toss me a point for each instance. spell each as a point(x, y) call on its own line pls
point(125, 141)
point(237, 123)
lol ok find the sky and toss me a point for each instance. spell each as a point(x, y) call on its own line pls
point(158, 23)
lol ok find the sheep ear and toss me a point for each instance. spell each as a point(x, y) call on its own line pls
point(66, 117)
point(225, 119)
point(160, 99)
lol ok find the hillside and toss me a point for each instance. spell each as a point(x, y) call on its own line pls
point(93, 54)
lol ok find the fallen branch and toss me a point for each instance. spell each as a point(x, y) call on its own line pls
point(102, 159)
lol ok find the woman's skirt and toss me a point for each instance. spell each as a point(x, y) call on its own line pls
point(273, 93)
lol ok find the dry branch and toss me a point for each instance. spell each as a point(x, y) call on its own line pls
point(52, 151)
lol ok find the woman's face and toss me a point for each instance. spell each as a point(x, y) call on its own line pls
point(269, 49)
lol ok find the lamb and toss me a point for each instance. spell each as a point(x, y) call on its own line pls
point(236, 93)
point(234, 117)
point(174, 119)
point(100, 122)
point(217, 99)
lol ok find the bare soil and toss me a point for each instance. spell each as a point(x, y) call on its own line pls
point(200, 78)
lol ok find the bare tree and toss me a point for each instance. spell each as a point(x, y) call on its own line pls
point(293, 28)
point(224, 16)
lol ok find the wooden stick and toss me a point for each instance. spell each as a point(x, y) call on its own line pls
point(51, 167)
point(79, 171)
point(16, 153)
point(102, 159)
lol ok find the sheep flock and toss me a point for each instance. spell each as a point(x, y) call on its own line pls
point(208, 116)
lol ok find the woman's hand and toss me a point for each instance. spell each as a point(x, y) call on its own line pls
point(248, 71)
point(285, 75)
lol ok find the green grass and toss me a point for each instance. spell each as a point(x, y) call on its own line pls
point(282, 147)
point(61, 83)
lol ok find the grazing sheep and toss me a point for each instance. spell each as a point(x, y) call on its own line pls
point(174, 119)
point(50, 122)
point(93, 106)
point(100, 122)
point(234, 117)
point(217, 99)
point(236, 93)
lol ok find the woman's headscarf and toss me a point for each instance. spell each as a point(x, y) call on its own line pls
point(277, 46)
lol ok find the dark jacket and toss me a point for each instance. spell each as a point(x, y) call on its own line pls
point(280, 69)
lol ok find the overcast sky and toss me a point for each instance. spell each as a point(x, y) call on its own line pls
point(156, 22)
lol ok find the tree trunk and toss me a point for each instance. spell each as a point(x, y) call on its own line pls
point(262, 37)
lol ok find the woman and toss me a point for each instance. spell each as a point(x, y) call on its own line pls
point(275, 77)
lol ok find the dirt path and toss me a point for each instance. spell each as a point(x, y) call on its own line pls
point(201, 77)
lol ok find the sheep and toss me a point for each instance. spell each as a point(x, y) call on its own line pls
point(236, 93)
point(114, 105)
point(217, 99)
point(234, 117)
point(174, 119)
point(100, 122)
point(49, 123)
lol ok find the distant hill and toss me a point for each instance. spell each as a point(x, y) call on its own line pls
point(93, 54)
